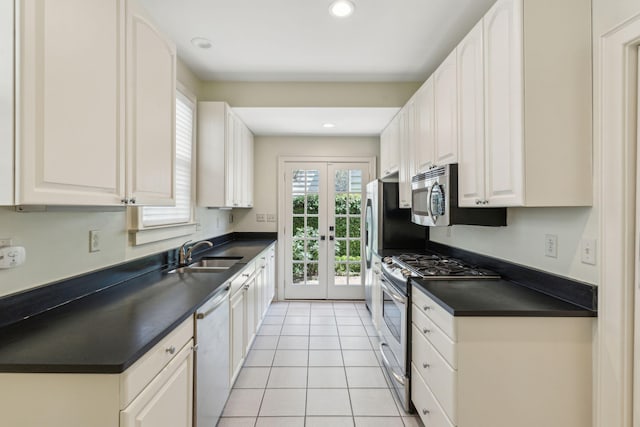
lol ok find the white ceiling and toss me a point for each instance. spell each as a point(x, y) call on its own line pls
point(298, 40)
point(309, 121)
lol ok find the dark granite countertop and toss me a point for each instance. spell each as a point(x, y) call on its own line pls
point(106, 332)
point(496, 298)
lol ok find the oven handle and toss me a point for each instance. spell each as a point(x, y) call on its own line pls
point(398, 378)
point(391, 293)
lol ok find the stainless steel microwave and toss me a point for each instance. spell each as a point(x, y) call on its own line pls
point(435, 201)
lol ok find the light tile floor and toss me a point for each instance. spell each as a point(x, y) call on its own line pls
point(314, 364)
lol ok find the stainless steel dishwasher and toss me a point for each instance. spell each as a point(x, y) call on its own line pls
point(212, 358)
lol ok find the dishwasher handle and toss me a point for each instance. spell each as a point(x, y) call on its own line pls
point(217, 304)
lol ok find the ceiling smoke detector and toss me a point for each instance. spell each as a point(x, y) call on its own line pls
point(342, 8)
point(201, 42)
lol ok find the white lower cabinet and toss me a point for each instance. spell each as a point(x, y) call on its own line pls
point(156, 391)
point(499, 371)
point(168, 400)
point(376, 292)
point(236, 325)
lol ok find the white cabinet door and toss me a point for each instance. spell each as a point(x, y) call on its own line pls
point(407, 159)
point(471, 171)
point(236, 326)
point(389, 148)
point(168, 400)
point(71, 109)
point(446, 111)
point(6, 102)
point(248, 166)
point(251, 320)
point(503, 103)
point(271, 275)
point(424, 144)
point(151, 118)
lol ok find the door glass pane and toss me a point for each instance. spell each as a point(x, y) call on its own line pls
point(355, 181)
point(312, 274)
point(298, 273)
point(354, 227)
point(341, 227)
point(312, 226)
point(342, 181)
point(355, 204)
point(341, 204)
point(312, 204)
point(312, 250)
point(354, 249)
point(298, 224)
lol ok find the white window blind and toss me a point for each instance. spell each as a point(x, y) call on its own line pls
point(182, 212)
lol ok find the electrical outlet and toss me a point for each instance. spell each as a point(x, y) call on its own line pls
point(259, 217)
point(551, 245)
point(6, 242)
point(94, 241)
point(271, 217)
point(588, 251)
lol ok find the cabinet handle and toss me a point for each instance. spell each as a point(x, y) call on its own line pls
point(426, 331)
point(245, 274)
point(124, 201)
point(426, 365)
point(426, 308)
point(478, 201)
point(170, 350)
point(425, 411)
point(485, 202)
point(132, 200)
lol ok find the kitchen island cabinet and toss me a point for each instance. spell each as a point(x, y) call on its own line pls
point(90, 130)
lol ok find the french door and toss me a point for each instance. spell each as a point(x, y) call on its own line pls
point(323, 229)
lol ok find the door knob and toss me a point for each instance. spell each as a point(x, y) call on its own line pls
point(323, 237)
point(330, 237)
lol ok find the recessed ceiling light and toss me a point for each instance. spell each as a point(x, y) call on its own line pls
point(201, 42)
point(342, 8)
point(328, 125)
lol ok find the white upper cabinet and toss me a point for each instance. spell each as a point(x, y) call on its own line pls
point(225, 158)
point(389, 148)
point(424, 139)
point(89, 131)
point(70, 133)
point(151, 111)
point(407, 159)
point(503, 101)
point(535, 149)
point(6, 102)
point(446, 111)
point(471, 118)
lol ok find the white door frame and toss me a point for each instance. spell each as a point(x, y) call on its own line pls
point(282, 160)
point(615, 131)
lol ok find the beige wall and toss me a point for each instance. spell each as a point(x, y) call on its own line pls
point(258, 94)
point(269, 149)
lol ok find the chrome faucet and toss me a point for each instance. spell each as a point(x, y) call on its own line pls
point(184, 254)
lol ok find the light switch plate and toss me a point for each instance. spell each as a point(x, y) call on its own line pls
point(588, 251)
point(271, 217)
point(259, 217)
point(12, 256)
point(551, 245)
point(94, 241)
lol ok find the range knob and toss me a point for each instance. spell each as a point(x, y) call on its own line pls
point(405, 272)
point(387, 260)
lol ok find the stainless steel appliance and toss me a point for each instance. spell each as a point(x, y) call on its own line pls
point(212, 358)
point(395, 329)
point(387, 226)
point(434, 197)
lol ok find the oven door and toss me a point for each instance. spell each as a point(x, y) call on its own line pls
point(393, 340)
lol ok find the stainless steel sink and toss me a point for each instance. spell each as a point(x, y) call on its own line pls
point(209, 265)
point(218, 263)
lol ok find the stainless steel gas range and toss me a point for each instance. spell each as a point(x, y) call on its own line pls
point(396, 308)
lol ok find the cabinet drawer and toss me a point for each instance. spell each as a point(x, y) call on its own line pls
point(435, 335)
point(437, 314)
point(141, 373)
point(430, 412)
point(436, 372)
point(238, 281)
